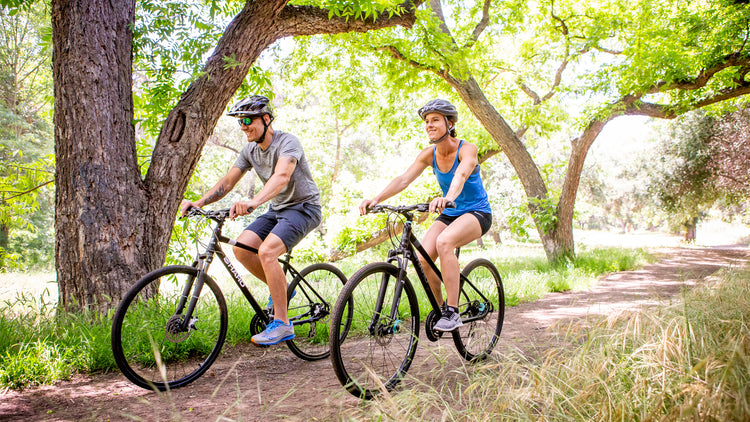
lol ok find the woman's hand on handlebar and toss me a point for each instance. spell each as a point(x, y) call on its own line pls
point(439, 204)
point(240, 208)
point(365, 206)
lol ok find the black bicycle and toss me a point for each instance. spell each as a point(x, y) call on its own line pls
point(171, 325)
point(373, 346)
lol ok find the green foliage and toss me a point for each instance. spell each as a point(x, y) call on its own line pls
point(685, 184)
point(544, 213)
point(544, 216)
point(39, 345)
point(26, 160)
point(171, 42)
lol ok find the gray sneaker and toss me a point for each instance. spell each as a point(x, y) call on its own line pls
point(450, 320)
point(276, 332)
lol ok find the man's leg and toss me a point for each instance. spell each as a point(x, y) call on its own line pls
point(268, 254)
point(293, 224)
point(249, 259)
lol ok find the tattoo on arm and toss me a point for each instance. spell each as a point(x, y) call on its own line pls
point(217, 194)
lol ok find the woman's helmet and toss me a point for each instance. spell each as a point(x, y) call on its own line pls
point(439, 106)
point(448, 111)
point(252, 106)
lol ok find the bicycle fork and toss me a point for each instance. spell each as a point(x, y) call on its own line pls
point(194, 285)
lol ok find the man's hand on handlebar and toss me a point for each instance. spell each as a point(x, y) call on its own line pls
point(185, 206)
point(240, 208)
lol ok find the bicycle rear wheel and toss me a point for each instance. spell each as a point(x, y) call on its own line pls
point(481, 304)
point(148, 344)
point(376, 349)
point(315, 292)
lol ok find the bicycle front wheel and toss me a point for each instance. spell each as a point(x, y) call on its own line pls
point(376, 349)
point(149, 343)
point(313, 294)
point(481, 304)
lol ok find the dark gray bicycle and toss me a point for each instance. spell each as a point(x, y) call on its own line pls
point(375, 322)
point(171, 325)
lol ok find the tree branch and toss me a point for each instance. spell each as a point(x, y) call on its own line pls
point(398, 55)
point(634, 107)
point(481, 25)
point(214, 140)
point(705, 75)
point(25, 192)
point(377, 238)
point(309, 20)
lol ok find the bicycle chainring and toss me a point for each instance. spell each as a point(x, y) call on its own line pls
point(257, 325)
point(429, 326)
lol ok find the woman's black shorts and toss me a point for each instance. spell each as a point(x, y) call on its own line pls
point(485, 219)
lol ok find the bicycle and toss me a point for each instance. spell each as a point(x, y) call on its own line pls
point(171, 325)
point(374, 331)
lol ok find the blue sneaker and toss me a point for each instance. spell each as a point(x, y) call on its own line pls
point(269, 306)
point(275, 333)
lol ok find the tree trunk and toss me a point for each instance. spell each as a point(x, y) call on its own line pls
point(691, 226)
point(100, 232)
point(111, 226)
point(4, 237)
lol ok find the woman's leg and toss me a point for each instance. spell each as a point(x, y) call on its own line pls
point(428, 242)
point(461, 231)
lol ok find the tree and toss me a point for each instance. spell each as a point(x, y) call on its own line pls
point(113, 225)
point(685, 184)
point(729, 145)
point(703, 161)
point(511, 65)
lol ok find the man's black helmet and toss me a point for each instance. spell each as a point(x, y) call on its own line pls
point(439, 106)
point(255, 105)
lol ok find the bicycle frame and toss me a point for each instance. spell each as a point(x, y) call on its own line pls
point(204, 259)
point(407, 252)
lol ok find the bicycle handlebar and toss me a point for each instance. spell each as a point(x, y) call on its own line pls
point(218, 215)
point(422, 207)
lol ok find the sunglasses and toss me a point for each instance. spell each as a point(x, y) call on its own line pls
point(246, 121)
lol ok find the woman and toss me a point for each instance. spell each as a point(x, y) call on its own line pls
point(454, 162)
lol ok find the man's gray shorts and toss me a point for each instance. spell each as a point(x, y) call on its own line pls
point(290, 224)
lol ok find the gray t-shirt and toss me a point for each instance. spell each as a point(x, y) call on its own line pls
point(301, 187)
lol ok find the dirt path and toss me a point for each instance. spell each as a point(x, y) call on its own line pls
point(248, 383)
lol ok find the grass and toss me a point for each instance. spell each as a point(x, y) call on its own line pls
point(687, 361)
point(40, 344)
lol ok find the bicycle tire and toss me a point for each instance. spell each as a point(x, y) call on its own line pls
point(476, 338)
point(149, 349)
point(315, 292)
point(368, 356)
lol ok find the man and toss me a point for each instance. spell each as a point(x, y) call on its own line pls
point(280, 163)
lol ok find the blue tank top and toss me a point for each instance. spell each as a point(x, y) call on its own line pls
point(473, 197)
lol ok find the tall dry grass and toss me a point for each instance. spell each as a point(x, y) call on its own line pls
point(687, 361)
